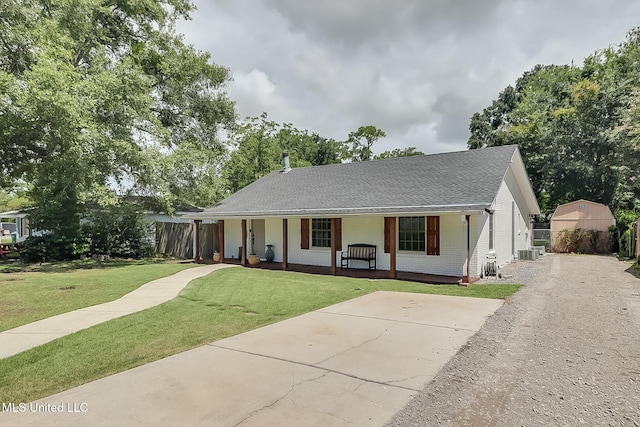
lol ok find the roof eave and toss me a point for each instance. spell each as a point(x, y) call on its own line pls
point(522, 179)
point(475, 208)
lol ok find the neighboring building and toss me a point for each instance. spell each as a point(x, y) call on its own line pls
point(172, 234)
point(585, 215)
point(582, 214)
point(434, 214)
point(15, 222)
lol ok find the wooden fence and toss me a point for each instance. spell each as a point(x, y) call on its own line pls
point(177, 239)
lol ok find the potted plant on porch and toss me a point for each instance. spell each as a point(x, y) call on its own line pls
point(253, 259)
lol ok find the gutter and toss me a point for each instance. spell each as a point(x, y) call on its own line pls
point(472, 209)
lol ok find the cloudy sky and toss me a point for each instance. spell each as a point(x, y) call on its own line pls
point(417, 69)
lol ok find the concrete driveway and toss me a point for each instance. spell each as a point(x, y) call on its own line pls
point(353, 363)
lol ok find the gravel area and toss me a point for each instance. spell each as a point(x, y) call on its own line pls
point(563, 351)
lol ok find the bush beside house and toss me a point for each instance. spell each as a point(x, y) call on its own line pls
point(119, 231)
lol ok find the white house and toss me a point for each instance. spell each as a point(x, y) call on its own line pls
point(15, 222)
point(433, 214)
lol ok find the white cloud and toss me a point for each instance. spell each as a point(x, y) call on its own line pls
point(418, 69)
point(255, 93)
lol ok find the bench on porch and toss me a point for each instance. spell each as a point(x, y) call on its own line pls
point(359, 252)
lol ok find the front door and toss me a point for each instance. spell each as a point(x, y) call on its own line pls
point(257, 237)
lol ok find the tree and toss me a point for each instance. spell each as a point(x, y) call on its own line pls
point(489, 128)
point(399, 152)
point(574, 127)
point(14, 200)
point(260, 144)
point(98, 94)
point(361, 142)
point(627, 166)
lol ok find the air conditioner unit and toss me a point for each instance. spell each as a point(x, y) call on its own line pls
point(528, 254)
point(540, 249)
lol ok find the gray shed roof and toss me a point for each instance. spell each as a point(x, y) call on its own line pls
point(458, 181)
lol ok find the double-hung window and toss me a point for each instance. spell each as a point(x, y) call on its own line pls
point(321, 232)
point(411, 233)
point(419, 234)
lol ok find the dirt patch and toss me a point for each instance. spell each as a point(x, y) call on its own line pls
point(565, 350)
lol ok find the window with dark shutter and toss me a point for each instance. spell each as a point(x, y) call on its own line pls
point(321, 232)
point(411, 234)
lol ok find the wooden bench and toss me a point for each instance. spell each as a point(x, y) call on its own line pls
point(359, 252)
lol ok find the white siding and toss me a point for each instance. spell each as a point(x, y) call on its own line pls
point(312, 256)
point(370, 229)
point(508, 195)
point(453, 251)
point(479, 243)
point(232, 237)
point(273, 236)
point(365, 229)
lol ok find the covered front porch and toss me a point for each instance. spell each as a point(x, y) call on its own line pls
point(293, 249)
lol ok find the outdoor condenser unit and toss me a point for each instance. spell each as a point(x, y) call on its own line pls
point(528, 254)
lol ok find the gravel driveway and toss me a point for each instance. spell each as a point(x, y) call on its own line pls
point(564, 351)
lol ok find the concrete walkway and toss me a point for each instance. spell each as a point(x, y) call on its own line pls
point(150, 294)
point(351, 364)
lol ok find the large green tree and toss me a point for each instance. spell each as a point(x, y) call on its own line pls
point(260, 143)
point(100, 95)
point(574, 126)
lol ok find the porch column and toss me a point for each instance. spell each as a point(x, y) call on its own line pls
point(334, 244)
point(285, 247)
point(196, 256)
point(243, 256)
point(392, 247)
point(221, 239)
point(466, 278)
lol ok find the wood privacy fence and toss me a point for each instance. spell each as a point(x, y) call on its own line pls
point(177, 239)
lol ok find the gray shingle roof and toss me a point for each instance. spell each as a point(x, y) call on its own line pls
point(465, 180)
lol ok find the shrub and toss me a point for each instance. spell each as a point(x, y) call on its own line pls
point(621, 232)
point(624, 243)
point(51, 247)
point(118, 231)
point(582, 241)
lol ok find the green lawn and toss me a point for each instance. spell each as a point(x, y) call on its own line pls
point(224, 303)
point(30, 293)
